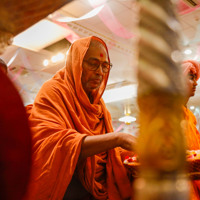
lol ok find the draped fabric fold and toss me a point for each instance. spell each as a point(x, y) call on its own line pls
point(60, 118)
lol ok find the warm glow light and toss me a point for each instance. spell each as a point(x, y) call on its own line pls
point(127, 119)
point(118, 94)
point(45, 62)
point(188, 51)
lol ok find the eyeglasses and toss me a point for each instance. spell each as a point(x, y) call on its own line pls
point(93, 65)
point(192, 76)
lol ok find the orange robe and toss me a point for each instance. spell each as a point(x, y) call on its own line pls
point(193, 143)
point(60, 118)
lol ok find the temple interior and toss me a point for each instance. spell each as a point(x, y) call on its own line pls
point(35, 38)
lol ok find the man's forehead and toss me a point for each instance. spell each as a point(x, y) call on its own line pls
point(96, 52)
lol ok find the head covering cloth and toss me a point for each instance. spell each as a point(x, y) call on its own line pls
point(191, 65)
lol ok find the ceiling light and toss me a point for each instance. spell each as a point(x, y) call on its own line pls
point(118, 94)
point(57, 57)
point(192, 107)
point(127, 119)
point(60, 56)
point(45, 62)
point(53, 59)
point(97, 2)
point(188, 51)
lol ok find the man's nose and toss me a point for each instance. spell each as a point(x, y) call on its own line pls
point(100, 69)
point(195, 82)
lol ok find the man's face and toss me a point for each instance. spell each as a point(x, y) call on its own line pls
point(92, 79)
point(191, 83)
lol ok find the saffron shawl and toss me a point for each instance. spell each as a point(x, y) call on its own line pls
point(193, 143)
point(60, 118)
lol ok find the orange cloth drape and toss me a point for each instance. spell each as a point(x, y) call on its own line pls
point(193, 143)
point(60, 118)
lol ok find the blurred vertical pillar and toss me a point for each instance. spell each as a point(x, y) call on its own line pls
point(161, 145)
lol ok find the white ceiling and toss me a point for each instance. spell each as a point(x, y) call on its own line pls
point(25, 57)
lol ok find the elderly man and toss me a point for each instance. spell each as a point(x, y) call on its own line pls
point(74, 146)
point(191, 71)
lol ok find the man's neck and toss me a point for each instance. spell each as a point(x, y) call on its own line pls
point(90, 96)
point(186, 101)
